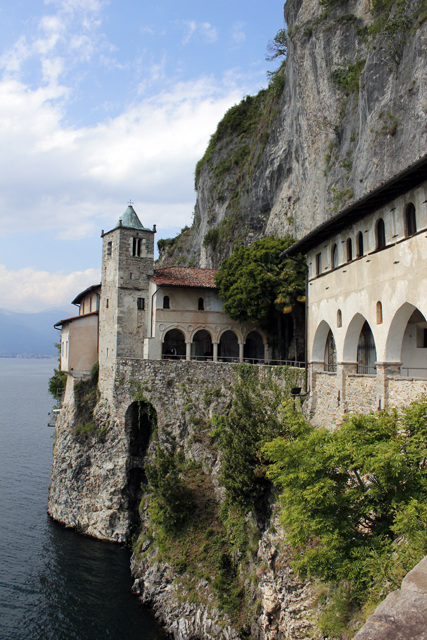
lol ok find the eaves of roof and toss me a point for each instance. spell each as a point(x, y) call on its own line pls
point(73, 318)
point(387, 191)
point(85, 292)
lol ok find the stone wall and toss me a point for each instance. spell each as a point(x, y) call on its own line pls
point(361, 393)
point(90, 487)
point(323, 407)
point(403, 391)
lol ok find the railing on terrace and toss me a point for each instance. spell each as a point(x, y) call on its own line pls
point(367, 370)
point(236, 360)
point(408, 372)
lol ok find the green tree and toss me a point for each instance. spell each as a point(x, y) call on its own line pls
point(252, 284)
point(347, 494)
point(58, 381)
point(172, 501)
point(278, 47)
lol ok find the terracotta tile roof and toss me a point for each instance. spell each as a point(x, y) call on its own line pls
point(185, 277)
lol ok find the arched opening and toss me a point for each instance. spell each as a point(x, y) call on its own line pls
point(330, 353)
point(334, 257)
point(228, 347)
point(349, 250)
point(140, 422)
point(319, 342)
point(410, 220)
point(201, 347)
point(339, 318)
point(201, 304)
point(254, 347)
point(359, 241)
point(380, 234)
point(318, 264)
point(173, 345)
point(366, 351)
point(379, 311)
point(414, 346)
point(166, 302)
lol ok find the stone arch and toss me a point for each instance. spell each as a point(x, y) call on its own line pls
point(234, 330)
point(366, 351)
point(228, 348)
point(201, 344)
point(319, 342)
point(351, 339)
point(173, 343)
point(140, 422)
point(394, 342)
point(202, 327)
point(254, 348)
point(330, 356)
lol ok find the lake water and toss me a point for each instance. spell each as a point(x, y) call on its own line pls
point(54, 583)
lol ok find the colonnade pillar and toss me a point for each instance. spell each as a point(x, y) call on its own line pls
point(215, 351)
point(188, 350)
point(241, 351)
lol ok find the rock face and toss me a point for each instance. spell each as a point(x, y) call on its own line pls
point(403, 614)
point(352, 114)
point(285, 602)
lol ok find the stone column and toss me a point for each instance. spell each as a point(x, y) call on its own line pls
point(241, 347)
point(215, 351)
point(385, 369)
point(188, 350)
point(343, 369)
point(266, 354)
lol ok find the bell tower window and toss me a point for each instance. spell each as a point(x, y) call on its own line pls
point(136, 247)
point(109, 248)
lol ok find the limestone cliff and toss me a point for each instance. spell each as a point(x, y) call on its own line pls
point(348, 110)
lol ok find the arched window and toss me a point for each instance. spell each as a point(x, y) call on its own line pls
point(334, 257)
point(410, 220)
point(379, 313)
point(330, 353)
point(339, 318)
point(136, 247)
point(380, 234)
point(166, 302)
point(201, 304)
point(359, 244)
point(109, 248)
point(349, 250)
point(318, 264)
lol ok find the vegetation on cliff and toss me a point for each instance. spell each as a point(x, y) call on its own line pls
point(212, 546)
point(354, 504)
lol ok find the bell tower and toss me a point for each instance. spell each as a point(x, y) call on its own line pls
point(127, 264)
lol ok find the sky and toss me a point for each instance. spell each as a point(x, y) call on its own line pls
point(103, 101)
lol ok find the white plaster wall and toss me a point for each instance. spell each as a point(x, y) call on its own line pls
point(395, 276)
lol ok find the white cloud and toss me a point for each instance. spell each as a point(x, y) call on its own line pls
point(238, 34)
point(207, 32)
point(30, 290)
point(74, 180)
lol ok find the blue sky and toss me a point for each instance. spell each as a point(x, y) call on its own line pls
point(105, 101)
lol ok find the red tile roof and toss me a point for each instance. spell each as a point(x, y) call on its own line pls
point(84, 315)
point(185, 277)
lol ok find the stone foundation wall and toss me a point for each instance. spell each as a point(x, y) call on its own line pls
point(91, 471)
point(323, 409)
point(361, 393)
point(403, 391)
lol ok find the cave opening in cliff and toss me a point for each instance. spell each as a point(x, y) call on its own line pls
point(140, 421)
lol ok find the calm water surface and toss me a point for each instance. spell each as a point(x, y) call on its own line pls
point(54, 583)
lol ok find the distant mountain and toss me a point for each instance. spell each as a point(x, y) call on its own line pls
point(30, 334)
